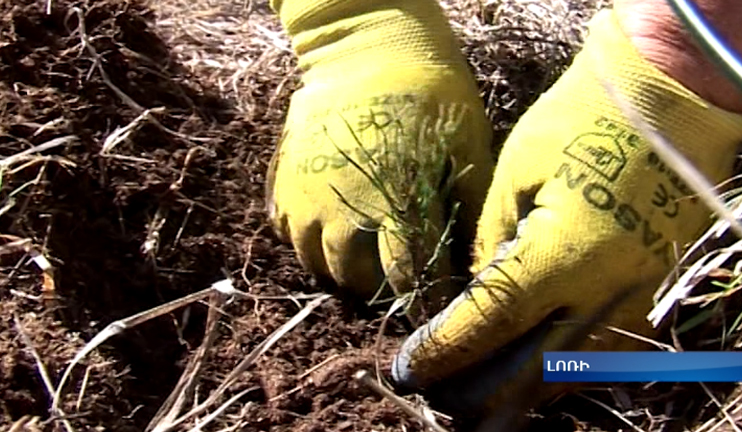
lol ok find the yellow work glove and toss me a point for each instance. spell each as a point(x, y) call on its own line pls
point(385, 135)
point(579, 210)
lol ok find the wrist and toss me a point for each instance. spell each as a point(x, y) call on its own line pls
point(663, 101)
point(660, 38)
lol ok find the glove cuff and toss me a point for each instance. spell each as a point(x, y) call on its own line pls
point(359, 36)
point(687, 120)
point(297, 15)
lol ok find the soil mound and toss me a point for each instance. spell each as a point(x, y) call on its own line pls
point(140, 184)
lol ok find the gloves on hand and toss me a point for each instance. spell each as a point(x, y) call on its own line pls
point(385, 135)
point(580, 210)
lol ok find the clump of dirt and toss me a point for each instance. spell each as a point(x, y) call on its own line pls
point(22, 393)
point(128, 224)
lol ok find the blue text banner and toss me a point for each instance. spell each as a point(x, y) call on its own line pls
point(642, 366)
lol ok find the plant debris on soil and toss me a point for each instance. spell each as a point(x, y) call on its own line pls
point(173, 206)
point(134, 142)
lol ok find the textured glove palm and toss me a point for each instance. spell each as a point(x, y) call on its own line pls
point(387, 115)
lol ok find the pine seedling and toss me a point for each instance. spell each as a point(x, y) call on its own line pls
point(409, 169)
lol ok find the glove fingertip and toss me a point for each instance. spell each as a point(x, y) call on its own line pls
point(402, 373)
point(417, 373)
point(281, 226)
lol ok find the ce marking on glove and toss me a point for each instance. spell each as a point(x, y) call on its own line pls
point(601, 198)
point(665, 200)
point(377, 120)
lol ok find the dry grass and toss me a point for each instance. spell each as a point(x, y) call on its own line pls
point(516, 49)
point(237, 45)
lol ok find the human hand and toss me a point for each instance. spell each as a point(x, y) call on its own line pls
point(387, 119)
point(580, 214)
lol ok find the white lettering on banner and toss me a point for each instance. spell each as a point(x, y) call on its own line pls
point(567, 366)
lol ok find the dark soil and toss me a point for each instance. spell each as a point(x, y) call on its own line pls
point(91, 214)
point(193, 182)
